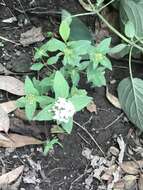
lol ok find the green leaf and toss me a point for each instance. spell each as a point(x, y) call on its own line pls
point(106, 63)
point(50, 145)
point(45, 115)
point(64, 30)
point(55, 45)
point(21, 102)
point(68, 126)
point(66, 15)
point(132, 10)
point(130, 29)
point(80, 101)
point(130, 94)
point(29, 87)
point(76, 91)
point(104, 46)
point(80, 47)
point(37, 66)
point(61, 87)
point(118, 48)
point(30, 109)
point(53, 60)
point(44, 100)
point(79, 31)
point(83, 65)
point(41, 52)
point(96, 76)
point(75, 77)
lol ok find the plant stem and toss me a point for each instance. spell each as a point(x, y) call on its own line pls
point(110, 27)
point(117, 32)
point(130, 62)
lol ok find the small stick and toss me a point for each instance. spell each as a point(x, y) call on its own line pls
point(85, 130)
point(5, 39)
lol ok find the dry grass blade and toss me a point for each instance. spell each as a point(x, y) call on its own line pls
point(12, 85)
point(15, 141)
point(112, 99)
point(4, 120)
point(11, 176)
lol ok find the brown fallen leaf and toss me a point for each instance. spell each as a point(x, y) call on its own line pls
point(91, 107)
point(4, 120)
point(11, 176)
point(112, 99)
point(132, 167)
point(12, 85)
point(140, 182)
point(130, 181)
point(15, 141)
point(31, 36)
point(8, 106)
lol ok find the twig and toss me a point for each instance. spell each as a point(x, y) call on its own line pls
point(83, 138)
point(113, 122)
point(5, 39)
point(85, 130)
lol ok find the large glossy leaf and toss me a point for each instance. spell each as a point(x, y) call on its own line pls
point(132, 10)
point(130, 94)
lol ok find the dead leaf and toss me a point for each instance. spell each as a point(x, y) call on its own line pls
point(91, 107)
point(8, 106)
point(112, 99)
point(15, 141)
point(11, 176)
point(129, 181)
point(4, 120)
point(12, 85)
point(140, 183)
point(109, 173)
point(31, 36)
point(131, 167)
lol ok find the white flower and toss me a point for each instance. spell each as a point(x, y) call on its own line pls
point(63, 110)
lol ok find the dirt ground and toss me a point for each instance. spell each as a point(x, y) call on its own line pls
point(63, 168)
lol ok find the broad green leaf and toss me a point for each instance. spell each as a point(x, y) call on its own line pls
point(30, 109)
point(106, 63)
point(130, 29)
point(45, 115)
point(76, 91)
point(80, 47)
point(68, 126)
point(79, 31)
point(83, 65)
point(96, 77)
point(80, 101)
point(44, 100)
point(53, 60)
point(37, 66)
point(104, 46)
point(132, 10)
point(61, 87)
point(118, 48)
point(66, 15)
point(29, 87)
point(41, 52)
point(130, 94)
point(55, 45)
point(75, 77)
point(21, 102)
point(64, 30)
